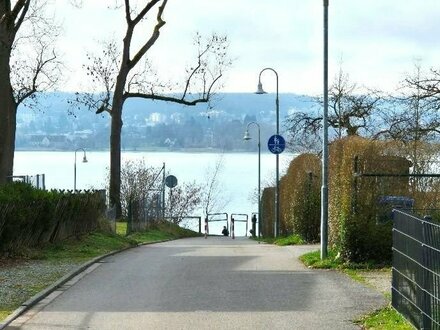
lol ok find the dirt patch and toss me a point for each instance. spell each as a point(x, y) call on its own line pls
point(379, 280)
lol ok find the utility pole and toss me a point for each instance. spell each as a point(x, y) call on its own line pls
point(324, 188)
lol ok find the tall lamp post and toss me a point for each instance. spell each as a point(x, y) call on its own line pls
point(74, 167)
point(260, 90)
point(324, 187)
point(246, 138)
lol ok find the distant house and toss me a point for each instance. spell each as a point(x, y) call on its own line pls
point(52, 141)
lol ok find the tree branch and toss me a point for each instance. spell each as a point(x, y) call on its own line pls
point(166, 98)
point(156, 31)
point(21, 7)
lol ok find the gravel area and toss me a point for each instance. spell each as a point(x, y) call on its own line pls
point(379, 280)
point(20, 280)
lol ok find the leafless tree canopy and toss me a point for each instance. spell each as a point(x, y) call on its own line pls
point(413, 116)
point(350, 113)
point(123, 71)
point(28, 65)
point(213, 198)
point(35, 66)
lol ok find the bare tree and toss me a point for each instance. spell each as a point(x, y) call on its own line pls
point(182, 200)
point(414, 114)
point(213, 195)
point(143, 183)
point(124, 72)
point(28, 65)
point(412, 119)
point(350, 113)
point(138, 182)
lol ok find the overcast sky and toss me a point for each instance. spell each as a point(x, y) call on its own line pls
point(377, 41)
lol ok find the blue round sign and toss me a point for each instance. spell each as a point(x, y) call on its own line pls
point(276, 144)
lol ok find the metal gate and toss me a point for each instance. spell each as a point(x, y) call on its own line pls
point(215, 217)
point(238, 217)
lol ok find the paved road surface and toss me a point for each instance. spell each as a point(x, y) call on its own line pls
point(217, 283)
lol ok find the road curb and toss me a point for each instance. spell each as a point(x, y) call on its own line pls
point(43, 294)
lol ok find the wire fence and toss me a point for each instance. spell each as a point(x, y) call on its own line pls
point(416, 269)
point(142, 213)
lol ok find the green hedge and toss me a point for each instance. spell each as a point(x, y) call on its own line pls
point(300, 198)
point(354, 229)
point(268, 212)
point(30, 217)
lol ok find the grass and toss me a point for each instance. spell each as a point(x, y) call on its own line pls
point(384, 319)
point(86, 247)
point(282, 241)
point(121, 228)
point(99, 243)
point(4, 313)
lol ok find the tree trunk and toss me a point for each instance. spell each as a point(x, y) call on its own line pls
point(8, 113)
point(115, 143)
point(115, 157)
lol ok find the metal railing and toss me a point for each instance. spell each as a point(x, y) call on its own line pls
point(38, 180)
point(143, 212)
point(416, 269)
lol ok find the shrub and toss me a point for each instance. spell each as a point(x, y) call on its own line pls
point(31, 217)
point(353, 200)
point(300, 198)
point(268, 212)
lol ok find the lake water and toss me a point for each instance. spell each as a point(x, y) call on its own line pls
point(238, 179)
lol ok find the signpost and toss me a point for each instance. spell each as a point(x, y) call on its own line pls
point(276, 144)
point(171, 181)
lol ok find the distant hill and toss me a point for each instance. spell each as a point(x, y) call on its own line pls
point(154, 124)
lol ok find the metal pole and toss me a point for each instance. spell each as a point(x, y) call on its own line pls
point(259, 183)
point(163, 192)
point(259, 169)
point(74, 174)
point(277, 164)
point(74, 167)
point(324, 188)
point(277, 193)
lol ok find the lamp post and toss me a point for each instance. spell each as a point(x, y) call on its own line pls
point(74, 167)
point(260, 90)
point(246, 138)
point(324, 187)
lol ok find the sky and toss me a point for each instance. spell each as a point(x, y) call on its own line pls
point(377, 42)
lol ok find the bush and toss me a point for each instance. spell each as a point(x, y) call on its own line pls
point(267, 212)
point(31, 217)
point(301, 198)
point(353, 200)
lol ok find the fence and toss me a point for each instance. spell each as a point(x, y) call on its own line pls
point(38, 181)
point(142, 213)
point(416, 269)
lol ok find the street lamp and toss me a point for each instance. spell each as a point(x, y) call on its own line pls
point(74, 167)
point(325, 157)
point(246, 138)
point(260, 90)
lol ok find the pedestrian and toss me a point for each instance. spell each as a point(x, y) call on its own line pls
point(225, 231)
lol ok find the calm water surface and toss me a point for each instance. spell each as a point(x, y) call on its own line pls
point(239, 177)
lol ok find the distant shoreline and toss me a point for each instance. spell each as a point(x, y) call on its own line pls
point(158, 149)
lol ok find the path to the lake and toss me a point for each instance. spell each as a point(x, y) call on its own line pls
point(217, 283)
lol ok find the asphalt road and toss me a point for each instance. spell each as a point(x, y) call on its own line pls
point(217, 283)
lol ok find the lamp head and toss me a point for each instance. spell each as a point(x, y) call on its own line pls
point(260, 89)
point(84, 158)
point(246, 136)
